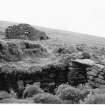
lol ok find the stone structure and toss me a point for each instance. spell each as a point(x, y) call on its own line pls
point(78, 71)
point(50, 76)
point(24, 31)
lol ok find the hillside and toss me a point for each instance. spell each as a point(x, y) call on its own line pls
point(65, 36)
point(43, 65)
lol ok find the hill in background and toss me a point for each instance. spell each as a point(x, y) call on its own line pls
point(65, 36)
point(62, 61)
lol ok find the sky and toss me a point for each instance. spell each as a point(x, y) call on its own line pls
point(83, 16)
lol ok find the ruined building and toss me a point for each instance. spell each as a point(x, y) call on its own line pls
point(49, 76)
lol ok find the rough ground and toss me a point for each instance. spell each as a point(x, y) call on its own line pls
point(49, 61)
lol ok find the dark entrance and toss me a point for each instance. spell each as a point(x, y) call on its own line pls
point(77, 73)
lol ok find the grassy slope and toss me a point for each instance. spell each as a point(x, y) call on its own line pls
point(67, 37)
point(73, 37)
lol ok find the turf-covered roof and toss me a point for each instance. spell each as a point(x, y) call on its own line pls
point(30, 68)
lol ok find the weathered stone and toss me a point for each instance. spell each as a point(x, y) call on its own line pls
point(100, 77)
point(18, 50)
point(92, 73)
point(100, 81)
point(90, 77)
point(24, 31)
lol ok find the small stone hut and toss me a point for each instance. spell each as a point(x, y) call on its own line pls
point(77, 73)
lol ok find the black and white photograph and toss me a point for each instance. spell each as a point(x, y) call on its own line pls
point(52, 51)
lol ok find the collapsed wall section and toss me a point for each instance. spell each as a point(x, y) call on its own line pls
point(12, 51)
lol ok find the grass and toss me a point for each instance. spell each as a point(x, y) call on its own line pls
point(32, 90)
point(95, 99)
point(29, 57)
point(46, 98)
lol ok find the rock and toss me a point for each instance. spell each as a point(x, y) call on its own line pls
point(24, 31)
point(92, 73)
point(4, 95)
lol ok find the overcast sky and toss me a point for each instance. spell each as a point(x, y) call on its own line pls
point(85, 16)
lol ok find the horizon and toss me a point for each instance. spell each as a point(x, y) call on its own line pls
point(87, 17)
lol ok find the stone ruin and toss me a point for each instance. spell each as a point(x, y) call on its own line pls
point(25, 32)
point(12, 51)
point(51, 75)
point(93, 73)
